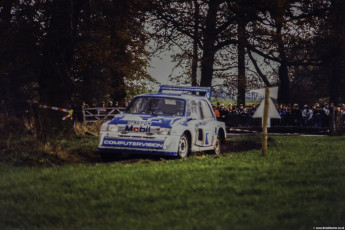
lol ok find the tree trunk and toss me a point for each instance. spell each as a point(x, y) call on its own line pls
point(334, 81)
point(284, 89)
point(195, 44)
point(6, 13)
point(119, 92)
point(209, 49)
point(5, 31)
point(241, 80)
point(55, 82)
point(337, 20)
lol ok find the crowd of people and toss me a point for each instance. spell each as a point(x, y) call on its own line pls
point(315, 115)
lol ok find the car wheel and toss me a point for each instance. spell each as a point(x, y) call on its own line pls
point(217, 147)
point(183, 147)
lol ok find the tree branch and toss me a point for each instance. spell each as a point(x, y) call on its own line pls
point(257, 68)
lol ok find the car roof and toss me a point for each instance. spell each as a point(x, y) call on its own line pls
point(176, 96)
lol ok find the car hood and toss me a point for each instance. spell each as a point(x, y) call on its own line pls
point(150, 120)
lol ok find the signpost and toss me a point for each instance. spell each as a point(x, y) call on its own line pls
point(266, 111)
point(264, 122)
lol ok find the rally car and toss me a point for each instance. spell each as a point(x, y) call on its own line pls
point(170, 123)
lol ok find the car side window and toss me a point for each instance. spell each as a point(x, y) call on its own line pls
point(206, 110)
point(194, 110)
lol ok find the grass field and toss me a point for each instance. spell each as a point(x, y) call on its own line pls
point(300, 184)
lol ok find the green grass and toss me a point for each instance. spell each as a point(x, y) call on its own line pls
point(26, 151)
point(298, 185)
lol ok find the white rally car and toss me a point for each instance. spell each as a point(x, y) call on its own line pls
point(171, 124)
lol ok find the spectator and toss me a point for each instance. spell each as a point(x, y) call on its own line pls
point(103, 109)
point(282, 114)
point(216, 112)
point(253, 122)
point(326, 116)
point(341, 114)
point(223, 113)
point(288, 116)
point(242, 115)
point(296, 115)
point(241, 110)
point(230, 109)
point(94, 103)
point(252, 110)
point(84, 105)
point(317, 116)
point(218, 105)
point(307, 116)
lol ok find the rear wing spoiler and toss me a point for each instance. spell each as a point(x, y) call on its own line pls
point(201, 90)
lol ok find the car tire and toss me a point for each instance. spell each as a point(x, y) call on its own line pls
point(217, 147)
point(183, 147)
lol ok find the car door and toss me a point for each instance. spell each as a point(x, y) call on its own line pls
point(200, 117)
point(195, 121)
point(208, 124)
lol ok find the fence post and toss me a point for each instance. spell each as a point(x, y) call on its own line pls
point(83, 111)
point(331, 123)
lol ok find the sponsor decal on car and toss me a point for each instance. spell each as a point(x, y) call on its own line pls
point(138, 126)
point(133, 143)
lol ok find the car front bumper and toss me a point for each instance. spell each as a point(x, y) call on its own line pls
point(139, 144)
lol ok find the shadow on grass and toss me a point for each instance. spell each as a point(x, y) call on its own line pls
point(133, 158)
point(240, 146)
point(24, 151)
point(235, 145)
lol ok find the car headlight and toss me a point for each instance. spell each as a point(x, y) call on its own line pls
point(164, 131)
point(104, 127)
point(113, 128)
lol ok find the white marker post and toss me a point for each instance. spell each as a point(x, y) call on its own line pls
point(266, 111)
point(264, 122)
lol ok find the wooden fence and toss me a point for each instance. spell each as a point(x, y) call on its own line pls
point(99, 114)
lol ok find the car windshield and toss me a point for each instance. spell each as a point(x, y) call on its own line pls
point(157, 106)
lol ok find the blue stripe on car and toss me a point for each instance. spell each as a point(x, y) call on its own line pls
point(134, 151)
point(133, 143)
